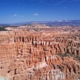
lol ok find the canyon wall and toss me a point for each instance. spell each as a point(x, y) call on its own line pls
point(43, 55)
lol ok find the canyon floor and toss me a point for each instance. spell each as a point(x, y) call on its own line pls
point(40, 52)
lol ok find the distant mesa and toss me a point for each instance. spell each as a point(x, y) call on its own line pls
point(48, 23)
point(37, 26)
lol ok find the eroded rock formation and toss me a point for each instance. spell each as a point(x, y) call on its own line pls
point(42, 55)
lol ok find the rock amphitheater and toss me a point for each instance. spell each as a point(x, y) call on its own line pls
point(48, 53)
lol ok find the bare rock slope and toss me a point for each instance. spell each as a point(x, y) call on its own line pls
point(48, 54)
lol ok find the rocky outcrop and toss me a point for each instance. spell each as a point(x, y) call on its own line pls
point(39, 56)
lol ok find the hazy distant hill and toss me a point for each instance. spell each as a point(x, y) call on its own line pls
point(5, 25)
point(48, 23)
point(54, 23)
point(64, 23)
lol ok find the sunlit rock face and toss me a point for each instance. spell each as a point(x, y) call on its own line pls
point(44, 54)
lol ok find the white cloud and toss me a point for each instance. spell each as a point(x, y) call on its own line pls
point(15, 15)
point(36, 14)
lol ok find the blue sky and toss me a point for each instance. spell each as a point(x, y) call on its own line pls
point(13, 11)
